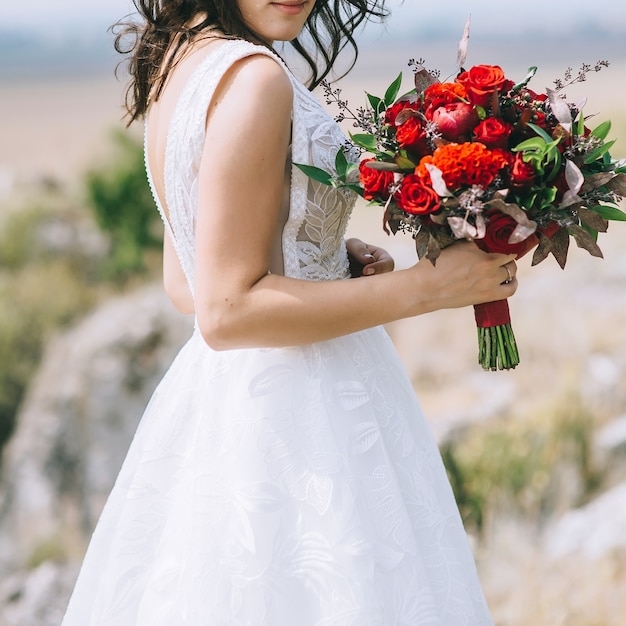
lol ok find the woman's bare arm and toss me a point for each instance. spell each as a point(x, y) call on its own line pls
point(238, 303)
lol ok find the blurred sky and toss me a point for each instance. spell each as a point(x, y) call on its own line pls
point(541, 15)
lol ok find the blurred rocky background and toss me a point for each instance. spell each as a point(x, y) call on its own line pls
point(537, 456)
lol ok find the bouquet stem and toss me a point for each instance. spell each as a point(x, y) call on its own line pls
point(497, 348)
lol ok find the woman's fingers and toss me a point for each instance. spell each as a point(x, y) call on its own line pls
point(367, 259)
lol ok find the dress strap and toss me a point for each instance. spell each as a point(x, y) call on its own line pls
point(185, 144)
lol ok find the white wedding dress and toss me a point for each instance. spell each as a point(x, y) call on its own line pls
point(279, 487)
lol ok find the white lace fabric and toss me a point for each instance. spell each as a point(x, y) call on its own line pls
point(279, 487)
point(313, 246)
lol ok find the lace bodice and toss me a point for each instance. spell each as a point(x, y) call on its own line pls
point(312, 239)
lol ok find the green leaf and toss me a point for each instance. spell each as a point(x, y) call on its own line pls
point(580, 124)
point(404, 163)
point(375, 102)
point(352, 168)
point(532, 70)
point(599, 152)
point(556, 167)
point(316, 174)
point(368, 142)
point(540, 132)
point(534, 143)
point(341, 164)
point(609, 213)
point(393, 90)
point(602, 131)
point(548, 196)
point(355, 188)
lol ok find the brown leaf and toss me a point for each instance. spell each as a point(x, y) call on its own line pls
point(590, 218)
point(618, 184)
point(560, 246)
point(570, 198)
point(543, 249)
point(586, 241)
point(423, 80)
point(439, 218)
point(461, 228)
point(525, 117)
point(495, 104)
point(596, 180)
point(440, 141)
point(405, 115)
point(434, 250)
point(522, 233)
point(513, 210)
point(391, 218)
point(421, 243)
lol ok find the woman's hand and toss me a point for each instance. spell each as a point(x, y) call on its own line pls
point(367, 260)
point(465, 275)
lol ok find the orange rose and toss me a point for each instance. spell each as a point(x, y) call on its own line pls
point(481, 81)
point(440, 94)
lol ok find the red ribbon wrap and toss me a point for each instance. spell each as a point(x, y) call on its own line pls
point(497, 313)
point(492, 314)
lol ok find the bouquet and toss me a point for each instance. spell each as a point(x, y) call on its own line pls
point(486, 159)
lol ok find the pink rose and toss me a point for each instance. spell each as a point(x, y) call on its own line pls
point(455, 120)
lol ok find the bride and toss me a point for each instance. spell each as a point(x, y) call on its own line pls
point(283, 473)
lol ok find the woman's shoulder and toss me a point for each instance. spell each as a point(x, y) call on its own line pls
point(260, 72)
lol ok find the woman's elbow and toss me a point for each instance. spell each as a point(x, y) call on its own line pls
point(217, 330)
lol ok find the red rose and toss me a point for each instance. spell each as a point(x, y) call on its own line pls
point(375, 183)
point(392, 112)
point(416, 197)
point(522, 174)
point(481, 81)
point(455, 120)
point(500, 227)
point(411, 136)
point(493, 133)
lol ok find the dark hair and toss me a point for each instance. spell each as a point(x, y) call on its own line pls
point(164, 30)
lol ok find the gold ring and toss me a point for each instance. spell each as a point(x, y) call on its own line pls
point(509, 275)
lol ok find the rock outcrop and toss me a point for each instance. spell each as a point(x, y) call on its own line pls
point(77, 422)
